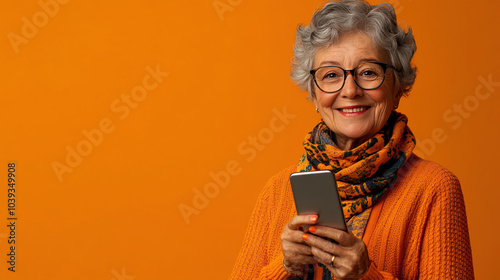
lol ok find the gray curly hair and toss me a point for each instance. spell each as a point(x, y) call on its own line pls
point(344, 16)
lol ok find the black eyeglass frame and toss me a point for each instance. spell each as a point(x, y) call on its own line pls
point(383, 65)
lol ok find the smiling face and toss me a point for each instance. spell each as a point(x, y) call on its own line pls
point(355, 114)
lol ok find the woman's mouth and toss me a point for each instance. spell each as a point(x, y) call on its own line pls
point(353, 110)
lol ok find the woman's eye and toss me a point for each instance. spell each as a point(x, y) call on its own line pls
point(368, 73)
point(330, 76)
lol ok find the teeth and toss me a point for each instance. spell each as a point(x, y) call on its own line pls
point(353, 110)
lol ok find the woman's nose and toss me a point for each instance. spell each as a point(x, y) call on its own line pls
point(350, 89)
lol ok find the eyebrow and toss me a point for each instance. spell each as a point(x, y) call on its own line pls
point(335, 63)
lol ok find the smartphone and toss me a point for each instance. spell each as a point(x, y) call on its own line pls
point(315, 193)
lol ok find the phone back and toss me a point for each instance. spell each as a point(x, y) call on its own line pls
point(315, 193)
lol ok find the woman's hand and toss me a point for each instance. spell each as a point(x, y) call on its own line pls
point(296, 253)
point(351, 256)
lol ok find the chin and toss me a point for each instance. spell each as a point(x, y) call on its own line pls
point(356, 133)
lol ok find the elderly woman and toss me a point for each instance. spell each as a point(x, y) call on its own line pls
point(406, 216)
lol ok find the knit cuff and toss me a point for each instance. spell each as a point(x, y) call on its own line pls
point(375, 274)
point(274, 270)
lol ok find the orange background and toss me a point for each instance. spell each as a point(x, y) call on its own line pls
point(116, 215)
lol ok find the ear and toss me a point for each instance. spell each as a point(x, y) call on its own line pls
point(315, 102)
point(399, 95)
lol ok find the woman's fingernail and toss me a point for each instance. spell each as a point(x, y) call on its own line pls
point(305, 236)
point(312, 229)
point(314, 218)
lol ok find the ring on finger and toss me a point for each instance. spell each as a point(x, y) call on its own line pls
point(331, 262)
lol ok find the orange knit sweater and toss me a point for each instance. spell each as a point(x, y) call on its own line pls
point(417, 231)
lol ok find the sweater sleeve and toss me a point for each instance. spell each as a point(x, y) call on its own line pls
point(439, 245)
point(254, 260)
point(446, 251)
point(375, 274)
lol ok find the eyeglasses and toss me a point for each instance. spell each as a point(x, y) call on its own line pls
point(367, 76)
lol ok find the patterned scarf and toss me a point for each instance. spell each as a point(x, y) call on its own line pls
point(364, 173)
